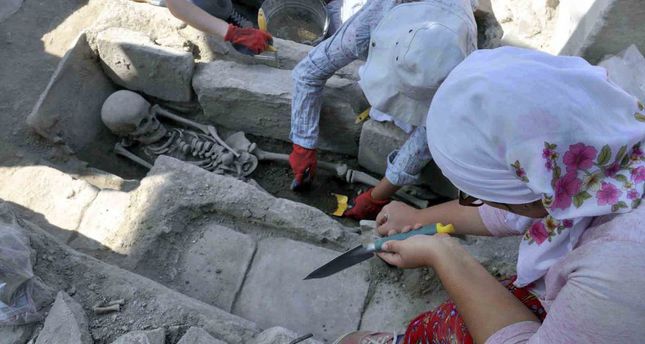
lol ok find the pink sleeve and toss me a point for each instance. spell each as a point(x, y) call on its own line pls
point(595, 296)
point(503, 223)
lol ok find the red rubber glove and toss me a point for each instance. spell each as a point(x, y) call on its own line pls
point(255, 40)
point(365, 207)
point(303, 163)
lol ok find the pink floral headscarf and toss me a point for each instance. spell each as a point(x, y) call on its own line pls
point(514, 126)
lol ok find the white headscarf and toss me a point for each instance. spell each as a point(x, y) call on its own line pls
point(514, 126)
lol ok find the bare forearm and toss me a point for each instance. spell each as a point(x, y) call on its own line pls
point(384, 189)
point(466, 220)
point(485, 305)
point(197, 18)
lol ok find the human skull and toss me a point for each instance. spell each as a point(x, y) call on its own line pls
point(127, 114)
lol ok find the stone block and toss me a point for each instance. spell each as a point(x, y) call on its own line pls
point(257, 99)
point(279, 335)
point(157, 336)
point(9, 7)
point(197, 335)
point(377, 140)
point(68, 111)
point(215, 266)
point(627, 70)
point(135, 62)
point(274, 292)
point(616, 25)
point(59, 198)
point(65, 324)
point(16, 334)
point(104, 216)
point(392, 307)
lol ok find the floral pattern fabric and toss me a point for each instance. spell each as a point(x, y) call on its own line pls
point(587, 176)
point(444, 325)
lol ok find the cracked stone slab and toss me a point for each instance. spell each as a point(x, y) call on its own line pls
point(266, 109)
point(215, 265)
point(377, 140)
point(175, 192)
point(59, 198)
point(274, 292)
point(197, 335)
point(133, 61)
point(157, 336)
point(280, 335)
point(104, 216)
point(65, 324)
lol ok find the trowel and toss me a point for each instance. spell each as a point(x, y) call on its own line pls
point(366, 251)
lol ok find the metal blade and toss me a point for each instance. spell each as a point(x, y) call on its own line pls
point(342, 262)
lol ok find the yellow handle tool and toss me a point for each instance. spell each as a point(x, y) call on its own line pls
point(262, 25)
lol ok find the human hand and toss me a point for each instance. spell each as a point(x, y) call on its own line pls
point(256, 41)
point(414, 252)
point(366, 207)
point(394, 217)
point(304, 163)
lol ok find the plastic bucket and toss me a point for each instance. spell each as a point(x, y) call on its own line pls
point(302, 21)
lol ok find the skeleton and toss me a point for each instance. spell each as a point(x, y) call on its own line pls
point(131, 117)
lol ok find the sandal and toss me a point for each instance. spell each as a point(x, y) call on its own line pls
point(367, 337)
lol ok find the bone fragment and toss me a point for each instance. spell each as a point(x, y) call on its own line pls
point(120, 150)
point(98, 310)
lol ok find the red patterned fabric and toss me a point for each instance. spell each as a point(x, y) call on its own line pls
point(444, 325)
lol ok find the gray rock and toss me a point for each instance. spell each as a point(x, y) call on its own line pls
point(627, 70)
point(196, 335)
point(171, 195)
point(133, 61)
point(67, 110)
point(257, 100)
point(9, 7)
point(215, 266)
point(65, 324)
point(274, 293)
point(101, 218)
point(157, 336)
point(16, 334)
point(148, 303)
point(59, 198)
point(378, 139)
point(279, 335)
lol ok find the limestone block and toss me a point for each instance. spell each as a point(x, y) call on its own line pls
point(169, 198)
point(65, 324)
point(274, 292)
point(627, 70)
point(157, 336)
point(16, 334)
point(68, 111)
point(148, 303)
point(101, 219)
point(257, 99)
point(618, 25)
point(59, 198)
point(9, 7)
point(279, 335)
point(377, 140)
point(215, 266)
point(197, 335)
point(133, 61)
point(392, 307)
